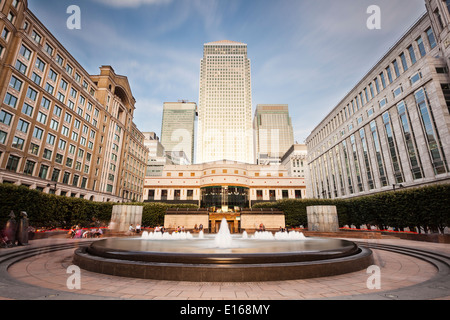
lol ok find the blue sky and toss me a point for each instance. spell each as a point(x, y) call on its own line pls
point(305, 53)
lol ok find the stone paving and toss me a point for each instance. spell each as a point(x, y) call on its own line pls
point(49, 271)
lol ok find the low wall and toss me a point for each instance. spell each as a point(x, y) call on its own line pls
point(172, 221)
point(270, 221)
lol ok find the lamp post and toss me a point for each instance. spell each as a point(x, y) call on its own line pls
point(400, 186)
point(52, 184)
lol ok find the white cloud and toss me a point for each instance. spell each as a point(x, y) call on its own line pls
point(132, 3)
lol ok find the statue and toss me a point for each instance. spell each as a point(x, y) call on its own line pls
point(22, 230)
point(11, 229)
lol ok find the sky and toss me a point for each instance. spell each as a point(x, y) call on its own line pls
point(304, 53)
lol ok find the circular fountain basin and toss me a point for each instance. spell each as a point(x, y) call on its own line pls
point(199, 259)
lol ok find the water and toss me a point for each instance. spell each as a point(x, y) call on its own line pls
point(223, 239)
point(167, 236)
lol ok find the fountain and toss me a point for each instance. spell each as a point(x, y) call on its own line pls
point(223, 257)
point(223, 238)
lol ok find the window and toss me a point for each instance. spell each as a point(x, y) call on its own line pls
point(66, 177)
point(76, 178)
point(396, 69)
point(416, 77)
point(51, 139)
point(34, 149)
point(49, 49)
point(412, 54)
point(83, 183)
point(22, 126)
point(383, 103)
point(69, 69)
point(59, 158)
point(430, 35)
point(67, 118)
point(47, 154)
point(15, 83)
point(52, 75)
point(37, 133)
point(45, 103)
point(43, 172)
point(10, 100)
point(36, 37)
point(55, 175)
point(49, 88)
point(25, 52)
point(36, 78)
point(389, 73)
point(21, 67)
point(383, 80)
point(40, 64)
point(59, 60)
point(408, 136)
point(404, 63)
point(31, 94)
point(421, 46)
point(54, 124)
point(18, 143)
point(63, 84)
point(42, 118)
point(29, 168)
point(11, 17)
point(259, 194)
point(5, 118)
point(61, 97)
point(57, 111)
point(13, 163)
point(398, 91)
point(5, 34)
point(432, 135)
point(3, 136)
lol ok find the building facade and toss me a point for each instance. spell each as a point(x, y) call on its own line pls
point(62, 130)
point(223, 185)
point(178, 128)
point(392, 130)
point(225, 104)
point(295, 160)
point(273, 134)
point(156, 155)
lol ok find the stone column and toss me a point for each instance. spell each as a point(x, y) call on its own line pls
point(322, 218)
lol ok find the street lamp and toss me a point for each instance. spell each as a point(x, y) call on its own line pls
point(53, 184)
point(400, 186)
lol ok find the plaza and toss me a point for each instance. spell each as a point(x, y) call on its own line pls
point(415, 271)
point(69, 140)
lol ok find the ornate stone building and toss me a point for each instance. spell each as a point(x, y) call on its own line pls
point(62, 130)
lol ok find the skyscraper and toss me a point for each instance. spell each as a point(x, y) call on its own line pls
point(225, 104)
point(274, 134)
point(178, 128)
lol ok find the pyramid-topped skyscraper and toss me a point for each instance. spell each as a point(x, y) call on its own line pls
point(225, 104)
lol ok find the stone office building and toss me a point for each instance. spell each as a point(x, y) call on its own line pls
point(392, 130)
point(62, 130)
point(223, 185)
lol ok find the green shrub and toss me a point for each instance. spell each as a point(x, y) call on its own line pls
point(425, 207)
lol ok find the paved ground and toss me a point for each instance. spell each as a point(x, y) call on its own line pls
point(45, 277)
